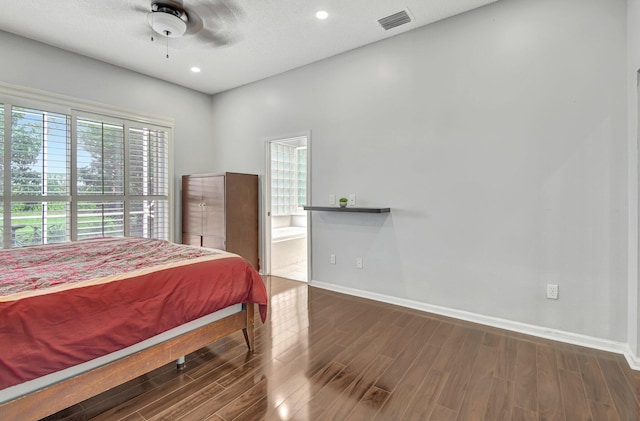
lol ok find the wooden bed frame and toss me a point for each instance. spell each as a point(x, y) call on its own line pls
point(61, 395)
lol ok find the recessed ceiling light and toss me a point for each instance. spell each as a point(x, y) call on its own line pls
point(322, 15)
point(195, 69)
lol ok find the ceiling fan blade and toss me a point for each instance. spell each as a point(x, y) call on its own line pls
point(177, 4)
point(214, 22)
point(219, 39)
point(194, 22)
point(221, 9)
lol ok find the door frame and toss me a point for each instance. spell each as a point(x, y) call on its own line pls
point(266, 214)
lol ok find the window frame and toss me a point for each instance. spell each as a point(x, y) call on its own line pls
point(13, 96)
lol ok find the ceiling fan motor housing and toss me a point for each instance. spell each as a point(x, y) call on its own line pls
point(167, 20)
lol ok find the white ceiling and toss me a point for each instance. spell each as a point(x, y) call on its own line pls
point(270, 36)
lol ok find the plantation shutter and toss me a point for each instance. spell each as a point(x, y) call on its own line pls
point(2, 129)
point(1, 151)
point(40, 153)
point(70, 175)
point(149, 182)
point(39, 176)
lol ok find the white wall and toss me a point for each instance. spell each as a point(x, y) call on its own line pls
point(36, 65)
point(498, 138)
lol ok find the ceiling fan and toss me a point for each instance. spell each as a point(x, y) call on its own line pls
point(210, 22)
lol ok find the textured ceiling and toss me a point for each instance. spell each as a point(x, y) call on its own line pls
point(266, 37)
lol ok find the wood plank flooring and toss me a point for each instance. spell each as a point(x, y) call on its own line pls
point(328, 356)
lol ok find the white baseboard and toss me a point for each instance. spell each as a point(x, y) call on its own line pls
point(528, 329)
point(633, 360)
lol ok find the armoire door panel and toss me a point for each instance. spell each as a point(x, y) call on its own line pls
point(213, 221)
point(213, 189)
point(214, 206)
point(213, 242)
point(192, 205)
point(192, 222)
point(191, 240)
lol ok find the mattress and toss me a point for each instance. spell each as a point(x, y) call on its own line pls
point(63, 305)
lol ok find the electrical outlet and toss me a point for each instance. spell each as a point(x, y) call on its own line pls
point(552, 291)
point(359, 262)
point(332, 259)
point(352, 199)
point(332, 199)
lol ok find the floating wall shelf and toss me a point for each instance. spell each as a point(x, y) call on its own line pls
point(347, 209)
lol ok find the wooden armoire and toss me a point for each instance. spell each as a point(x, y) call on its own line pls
point(221, 211)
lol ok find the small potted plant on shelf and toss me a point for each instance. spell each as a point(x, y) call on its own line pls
point(343, 202)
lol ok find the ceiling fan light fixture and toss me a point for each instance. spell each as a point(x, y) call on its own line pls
point(167, 24)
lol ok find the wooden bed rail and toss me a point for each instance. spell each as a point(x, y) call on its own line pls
point(58, 396)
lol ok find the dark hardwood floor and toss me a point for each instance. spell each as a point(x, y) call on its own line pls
point(327, 356)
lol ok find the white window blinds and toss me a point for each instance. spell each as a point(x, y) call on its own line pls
point(40, 152)
point(1, 149)
point(119, 183)
point(149, 182)
point(2, 128)
point(148, 162)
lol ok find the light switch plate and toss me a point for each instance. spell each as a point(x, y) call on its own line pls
point(332, 199)
point(352, 199)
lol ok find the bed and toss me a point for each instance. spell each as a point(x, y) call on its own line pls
point(79, 318)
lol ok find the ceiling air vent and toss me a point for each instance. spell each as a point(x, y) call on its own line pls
point(394, 20)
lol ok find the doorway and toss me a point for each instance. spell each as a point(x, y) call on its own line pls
point(287, 227)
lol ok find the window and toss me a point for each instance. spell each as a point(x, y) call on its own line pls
point(38, 146)
point(77, 175)
point(100, 178)
point(149, 182)
point(288, 178)
point(2, 174)
point(100, 157)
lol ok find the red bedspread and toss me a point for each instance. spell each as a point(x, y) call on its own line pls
point(111, 294)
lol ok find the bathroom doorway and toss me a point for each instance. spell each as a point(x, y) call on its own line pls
point(287, 226)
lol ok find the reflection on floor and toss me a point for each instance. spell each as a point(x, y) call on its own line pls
point(296, 272)
point(327, 356)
